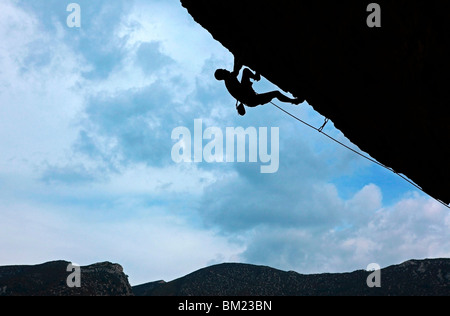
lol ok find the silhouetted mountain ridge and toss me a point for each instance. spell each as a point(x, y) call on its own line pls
point(50, 279)
point(415, 277)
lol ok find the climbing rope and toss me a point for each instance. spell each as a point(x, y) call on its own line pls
point(320, 130)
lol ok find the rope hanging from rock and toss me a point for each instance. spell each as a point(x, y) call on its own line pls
point(320, 130)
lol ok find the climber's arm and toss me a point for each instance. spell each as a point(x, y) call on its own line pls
point(248, 74)
point(237, 67)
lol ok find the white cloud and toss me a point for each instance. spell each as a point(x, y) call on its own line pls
point(414, 228)
point(182, 39)
point(150, 246)
point(38, 95)
point(169, 23)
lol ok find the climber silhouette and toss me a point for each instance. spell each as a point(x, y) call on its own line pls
point(243, 91)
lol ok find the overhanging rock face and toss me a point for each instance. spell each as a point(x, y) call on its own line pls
point(387, 89)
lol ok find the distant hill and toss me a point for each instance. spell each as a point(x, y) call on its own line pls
point(49, 279)
point(412, 278)
point(147, 288)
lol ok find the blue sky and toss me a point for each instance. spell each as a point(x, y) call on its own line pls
point(86, 174)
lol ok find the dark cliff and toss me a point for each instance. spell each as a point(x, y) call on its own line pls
point(50, 279)
point(412, 278)
point(387, 89)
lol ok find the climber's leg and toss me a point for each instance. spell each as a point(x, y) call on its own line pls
point(264, 98)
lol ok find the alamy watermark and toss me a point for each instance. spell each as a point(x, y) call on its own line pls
point(220, 145)
point(74, 18)
point(374, 18)
point(374, 279)
point(74, 278)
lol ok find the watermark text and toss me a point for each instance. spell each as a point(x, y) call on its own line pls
point(228, 146)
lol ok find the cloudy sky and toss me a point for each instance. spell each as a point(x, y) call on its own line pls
point(86, 174)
